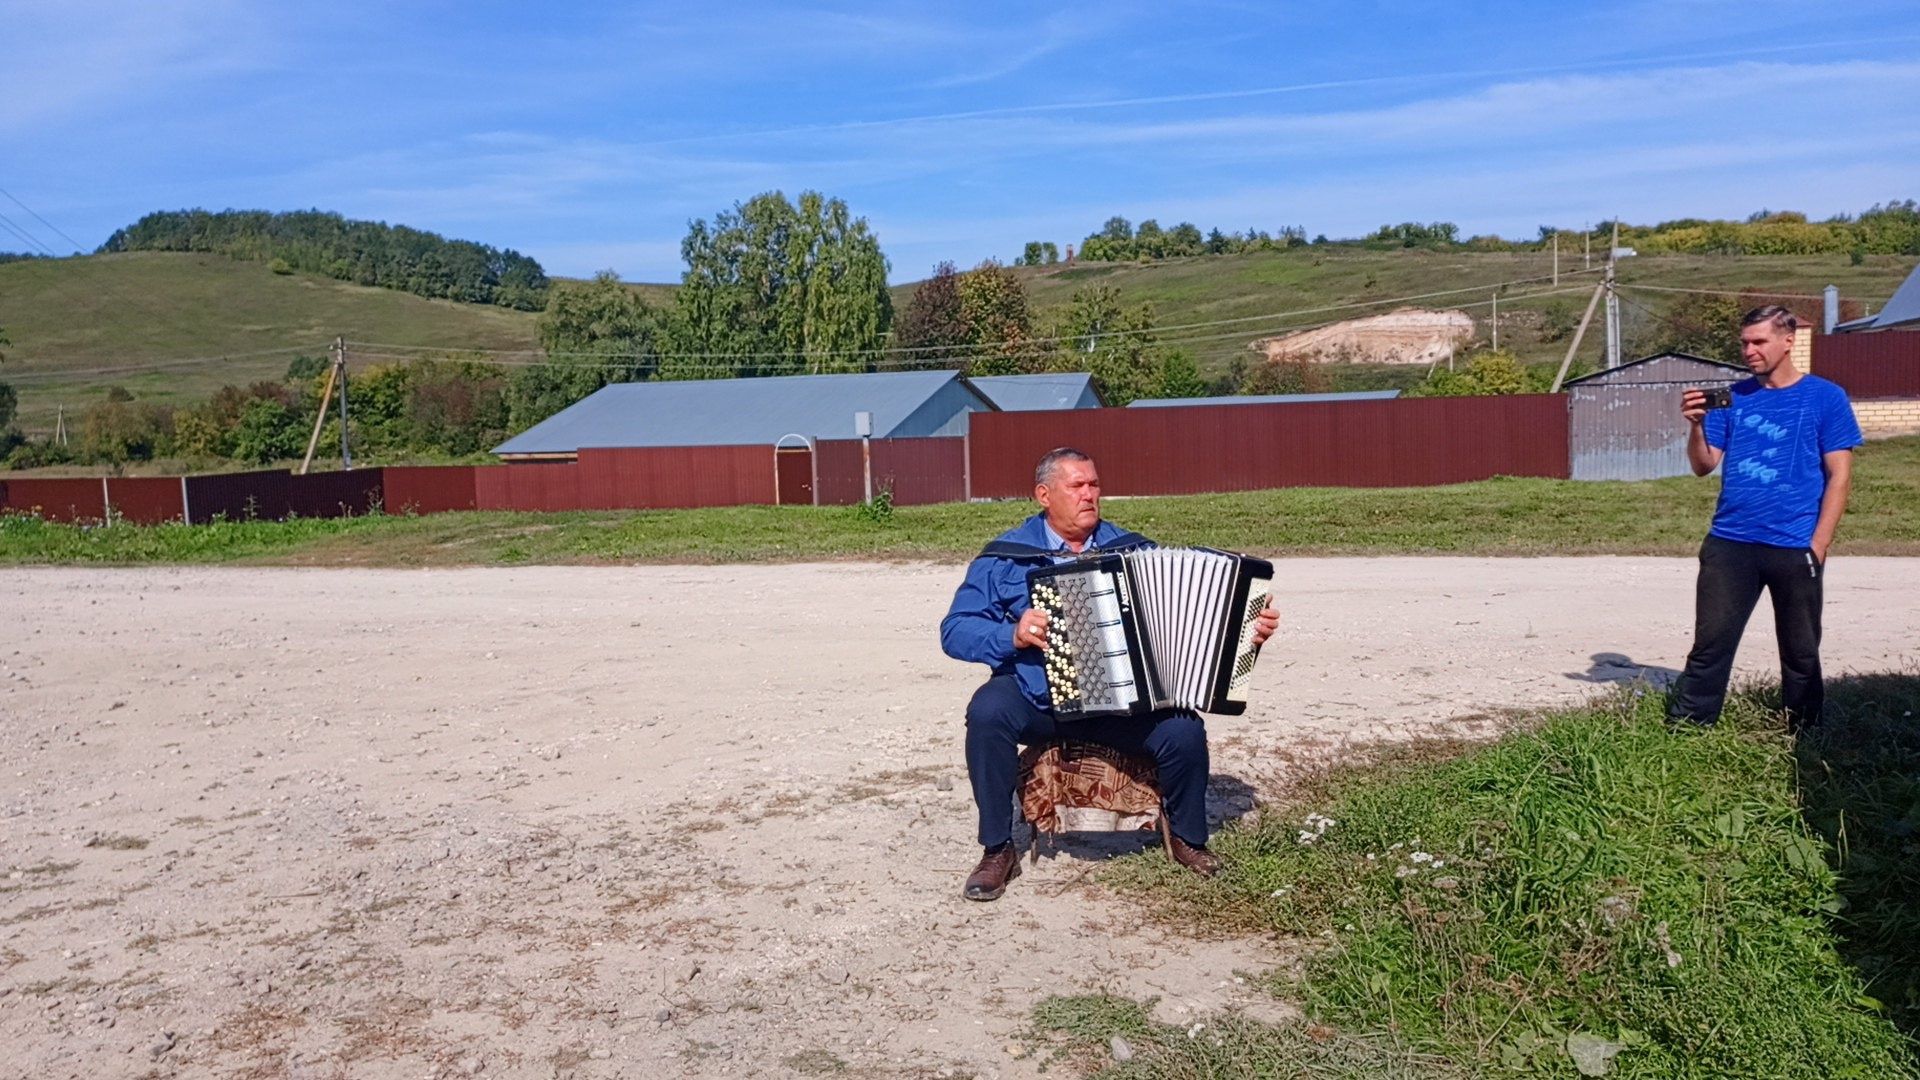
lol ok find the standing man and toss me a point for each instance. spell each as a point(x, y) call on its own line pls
point(1786, 443)
point(992, 623)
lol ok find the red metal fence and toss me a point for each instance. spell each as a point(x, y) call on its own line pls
point(146, 500)
point(428, 489)
point(1886, 364)
point(1164, 451)
point(61, 499)
point(674, 477)
point(1183, 450)
point(915, 471)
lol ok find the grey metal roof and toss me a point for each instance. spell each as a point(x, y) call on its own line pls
point(722, 412)
point(1267, 399)
point(1603, 376)
point(1902, 310)
point(1027, 393)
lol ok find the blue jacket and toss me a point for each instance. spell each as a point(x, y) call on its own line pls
point(979, 626)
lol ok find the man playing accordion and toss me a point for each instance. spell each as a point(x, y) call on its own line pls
point(992, 622)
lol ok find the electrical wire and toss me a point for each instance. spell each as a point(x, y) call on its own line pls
point(41, 220)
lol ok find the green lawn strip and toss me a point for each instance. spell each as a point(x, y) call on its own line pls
point(1661, 904)
point(1502, 516)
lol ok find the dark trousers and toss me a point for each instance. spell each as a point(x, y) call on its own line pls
point(1731, 577)
point(1000, 720)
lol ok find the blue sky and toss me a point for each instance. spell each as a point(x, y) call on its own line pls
point(588, 137)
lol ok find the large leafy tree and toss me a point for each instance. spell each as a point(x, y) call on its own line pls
point(773, 287)
point(1113, 340)
point(1000, 322)
point(933, 328)
point(594, 333)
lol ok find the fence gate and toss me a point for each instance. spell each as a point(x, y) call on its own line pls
point(793, 476)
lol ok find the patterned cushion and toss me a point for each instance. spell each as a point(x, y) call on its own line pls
point(1071, 786)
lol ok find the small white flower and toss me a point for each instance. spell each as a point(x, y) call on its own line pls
point(1421, 857)
point(1281, 891)
point(1403, 871)
point(1369, 856)
point(1306, 837)
point(1194, 1031)
point(1437, 864)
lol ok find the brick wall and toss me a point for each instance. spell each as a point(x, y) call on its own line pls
point(1882, 418)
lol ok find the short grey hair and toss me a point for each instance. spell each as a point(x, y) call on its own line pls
point(1050, 462)
point(1782, 319)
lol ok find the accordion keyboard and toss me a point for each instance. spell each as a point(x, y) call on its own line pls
point(1087, 667)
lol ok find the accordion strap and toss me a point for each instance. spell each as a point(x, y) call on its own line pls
point(1010, 549)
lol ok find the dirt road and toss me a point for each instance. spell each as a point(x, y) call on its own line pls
point(654, 821)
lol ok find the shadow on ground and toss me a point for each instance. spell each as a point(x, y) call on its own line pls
point(1617, 668)
point(1860, 787)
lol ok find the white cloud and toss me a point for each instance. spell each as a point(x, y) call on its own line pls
point(88, 55)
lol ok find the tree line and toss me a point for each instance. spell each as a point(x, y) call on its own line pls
point(363, 252)
point(1891, 228)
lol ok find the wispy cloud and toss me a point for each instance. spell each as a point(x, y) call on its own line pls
point(88, 55)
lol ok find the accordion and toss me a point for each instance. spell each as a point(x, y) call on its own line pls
point(1151, 629)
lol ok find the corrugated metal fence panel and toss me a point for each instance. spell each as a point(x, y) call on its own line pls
point(1183, 450)
point(428, 489)
point(342, 493)
point(919, 471)
point(553, 486)
point(677, 477)
point(145, 500)
point(1632, 431)
point(63, 499)
point(1886, 364)
point(243, 496)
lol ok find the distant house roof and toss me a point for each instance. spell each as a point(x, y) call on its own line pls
point(722, 412)
point(1902, 310)
point(1684, 359)
point(1027, 393)
point(1267, 399)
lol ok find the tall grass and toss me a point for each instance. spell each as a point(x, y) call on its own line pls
point(1600, 893)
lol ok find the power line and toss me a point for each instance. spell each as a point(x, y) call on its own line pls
point(1725, 292)
point(950, 357)
point(29, 238)
point(156, 366)
point(1158, 332)
point(41, 220)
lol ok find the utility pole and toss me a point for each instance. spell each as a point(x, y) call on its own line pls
point(1556, 258)
point(336, 373)
point(1496, 320)
point(1586, 238)
point(1579, 334)
point(340, 362)
point(1613, 304)
point(60, 425)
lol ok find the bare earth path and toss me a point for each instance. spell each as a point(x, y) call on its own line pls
point(653, 821)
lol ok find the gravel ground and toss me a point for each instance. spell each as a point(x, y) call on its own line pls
point(662, 820)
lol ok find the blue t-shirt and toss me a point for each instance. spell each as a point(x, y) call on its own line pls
point(1771, 477)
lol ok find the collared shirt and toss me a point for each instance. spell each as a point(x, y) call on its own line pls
point(1057, 544)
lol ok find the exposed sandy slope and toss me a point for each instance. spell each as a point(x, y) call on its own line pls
point(650, 821)
point(1406, 336)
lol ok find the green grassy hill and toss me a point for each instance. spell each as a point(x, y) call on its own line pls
point(187, 322)
point(73, 321)
point(1240, 287)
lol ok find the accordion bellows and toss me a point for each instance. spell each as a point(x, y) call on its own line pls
point(1151, 629)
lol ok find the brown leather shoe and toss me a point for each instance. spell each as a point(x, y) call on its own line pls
point(1197, 859)
point(990, 878)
